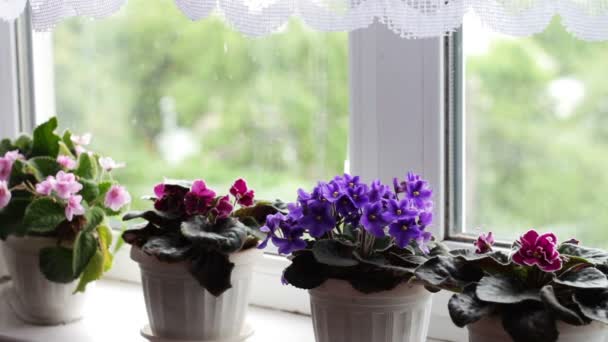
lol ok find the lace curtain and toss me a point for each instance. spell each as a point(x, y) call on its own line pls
point(585, 19)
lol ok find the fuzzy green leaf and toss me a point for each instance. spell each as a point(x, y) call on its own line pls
point(465, 308)
point(90, 190)
point(44, 167)
point(43, 215)
point(499, 288)
point(592, 255)
point(529, 322)
point(213, 270)
point(11, 217)
point(87, 166)
point(24, 144)
point(305, 272)
point(167, 248)
point(593, 304)
point(334, 253)
point(549, 298)
point(92, 272)
point(56, 264)
point(94, 217)
point(448, 272)
point(46, 142)
point(226, 236)
point(85, 247)
point(583, 278)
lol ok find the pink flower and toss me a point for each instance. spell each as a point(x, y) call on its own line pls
point(108, 164)
point(117, 197)
point(80, 150)
point(243, 195)
point(159, 190)
point(5, 194)
point(66, 185)
point(199, 199)
point(73, 207)
point(82, 140)
point(6, 165)
point(540, 250)
point(223, 207)
point(13, 155)
point(46, 187)
point(66, 162)
point(484, 243)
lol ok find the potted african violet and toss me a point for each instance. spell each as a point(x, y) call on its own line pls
point(542, 291)
point(355, 247)
point(54, 199)
point(196, 252)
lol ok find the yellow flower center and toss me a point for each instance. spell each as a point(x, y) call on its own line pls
point(416, 193)
point(351, 184)
point(336, 194)
point(399, 211)
point(372, 217)
point(404, 227)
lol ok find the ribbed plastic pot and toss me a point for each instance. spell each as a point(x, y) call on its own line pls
point(35, 299)
point(491, 329)
point(179, 308)
point(343, 314)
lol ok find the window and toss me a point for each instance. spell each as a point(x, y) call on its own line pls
point(532, 134)
point(199, 100)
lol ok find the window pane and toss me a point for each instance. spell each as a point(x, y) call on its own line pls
point(180, 99)
point(536, 134)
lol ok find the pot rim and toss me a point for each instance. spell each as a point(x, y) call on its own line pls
point(245, 257)
point(342, 288)
point(493, 323)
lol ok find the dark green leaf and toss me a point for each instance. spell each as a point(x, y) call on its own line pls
point(67, 140)
point(529, 323)
point(465, 308)
point(305, 272)
point(167, 248)
point(90, 190)
point(56, 264)
point(592, 255)
point(499, 288)
point(44, 167)
point(24, 144)
point(46, 142)
point(87, 166)
point(448, 272)
point(583, 277)
point(593, 304)
point(334, 253)
point(226, 236)
point(259, 211)
point(43, 215)
point(547, 295)
point(93, 271)
point(140, 235)
point(21, 173)
point(438, 248)
point(161, 219)
point(85, 247)
point(6, 146)
point(371, 278)
point(11, 217)
point(94, 217)
point(213, 270)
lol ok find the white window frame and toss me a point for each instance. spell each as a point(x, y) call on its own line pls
point(397, 124)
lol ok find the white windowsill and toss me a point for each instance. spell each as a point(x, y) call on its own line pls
point(116, 312)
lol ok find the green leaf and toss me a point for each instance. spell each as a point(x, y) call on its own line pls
point(84, 248)
point(593, 304)
point(44, 167)
point(94, 217)
point(56, 264)
point(161, 219)
point(334, 253)
point(43, 215)
point(168, 248)
point(93, 271)
point(64, 150)
point(90, 190)
point(67, 141)
point(529, 322)
point(87, 167)
point(21, 173)
point(24, 144)
point(448, 272)
point(140, 235)
point(305, 272)
point(549, 298)
point(592, 255)
point(105, 241)
point(583, 278)
point(6, 146)
point(213, 270)
point(11, 217)
point(465, 308)
point(499, 288)
point(46, 142)
point(259, 211)
point(226, 236)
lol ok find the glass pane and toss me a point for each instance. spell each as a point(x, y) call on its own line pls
point(180, 99)
point(536, 134)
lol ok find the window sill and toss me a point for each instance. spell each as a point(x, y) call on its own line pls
point(116, 312)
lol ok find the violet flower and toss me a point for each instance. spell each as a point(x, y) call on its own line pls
point(377, 191)
point(247, 199)
point(484, 243)
point(66, 162)
point(418, 191)
point(5, 194)
point(318, 218)
point(66, 185)
point(13, 155)
point(117, 197)
point(284, 233)
point(199, 199)
point(332, 191)
point(83, 140)
point(405, 230)
point(359, 195)
point(540, 250)
point(73, 207)
point(46, 187)
point(159, 190)
point(397, 210)
point(373, 220)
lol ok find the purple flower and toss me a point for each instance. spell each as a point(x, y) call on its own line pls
point(5, 194)
point(73, 207)
point(399, 186)
point(108, 164)
point(349, 182)
point(373, 220)
point(171, 198)
point(377, 191)
point(418, 191)
point(199, 199)
point(425, 218)
point(406, 230)
point(397, 210)
point(296, 211)
point(117, 197)
point(66, 185)
point(332, 191)
point(66, 162)
point(284, 233)
point(6, 166)
point(540, 250)
point(318, 219)
point(223, 209)
point(358, 193)
point(46, 187)
point(484, 243)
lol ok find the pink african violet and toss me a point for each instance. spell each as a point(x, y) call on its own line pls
point(200, 198)
point(199, 188)
point(66, 162)
point(13, 155)
point(5, 194)
point(540, 250)
point(243, 195)
point(159, 190)
point(84, 139)
point(108, 164)
point(6, 165)
point(46, 187)
point(224, 207)
point(74, 207)
point(117, 197)
point(484, 243)
point(66, 185)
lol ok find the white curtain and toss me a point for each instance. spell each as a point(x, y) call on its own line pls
point(585, 19)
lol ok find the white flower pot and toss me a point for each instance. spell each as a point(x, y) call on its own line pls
point(35, 299)
point(491, 329)
point(343, 314)
point(179, 308)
